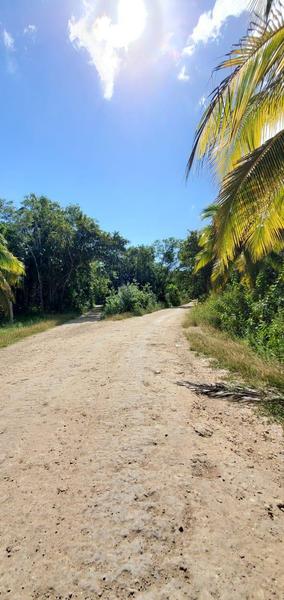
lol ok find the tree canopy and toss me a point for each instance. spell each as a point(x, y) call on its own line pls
point(66, 261)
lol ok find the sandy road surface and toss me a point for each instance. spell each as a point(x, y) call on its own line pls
point(107, 489)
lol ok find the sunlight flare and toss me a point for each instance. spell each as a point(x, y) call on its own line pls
point(132, 16)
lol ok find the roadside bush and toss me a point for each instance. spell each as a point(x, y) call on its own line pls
point(113, 304)
point(253, 314)
point(268, 338)
point(172, 295)
point(131, 298)
point(275, 337)
point(227, 311)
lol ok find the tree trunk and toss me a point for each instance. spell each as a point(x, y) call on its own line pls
point(11, 311)
point(40, 293)
point(40, 288)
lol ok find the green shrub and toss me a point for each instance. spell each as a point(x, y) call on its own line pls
point(112, 305)
point(227, 311)
point(172, 295)
point(275, 338)
point(131, 298)
point(255, 315)
point(206, 313)
point(268, 337)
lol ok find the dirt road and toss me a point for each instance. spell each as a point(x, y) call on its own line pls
point(109, 488)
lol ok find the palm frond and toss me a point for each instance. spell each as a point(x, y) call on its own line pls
point(263, 6)
point(241, 135)
point(246, 193)
point(263, 117)
point(203, 258)
point(209, 212)
point(206, 240)
point(11, 269)
point(255, 62)
point(6, 294)
point(267, 233)
point(8, 262)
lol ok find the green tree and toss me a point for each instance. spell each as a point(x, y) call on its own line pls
point(140, 261)
point(166, 252)
point(57, 246)
point(113, 256)
point(192, 283)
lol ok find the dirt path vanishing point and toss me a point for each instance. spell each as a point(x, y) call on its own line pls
point(109, 488)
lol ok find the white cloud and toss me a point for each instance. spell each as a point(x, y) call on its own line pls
point(8, 40)
point(183, 74)
point(210, 23)
point(188, 50)
point(30, 30)
point(202, 102)
point(107, 43)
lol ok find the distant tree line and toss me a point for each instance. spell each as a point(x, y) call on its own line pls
point(65, 261)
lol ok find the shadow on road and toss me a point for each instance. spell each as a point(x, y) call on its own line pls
point(92, 316)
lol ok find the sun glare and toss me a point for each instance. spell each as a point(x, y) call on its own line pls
point(132, 16)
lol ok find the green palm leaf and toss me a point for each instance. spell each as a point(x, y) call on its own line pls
point(267, 233)
point(207, 239)
point(255, 62)
point(11, 269)
point(264, 114)
point(241, 135)
point(252, 188)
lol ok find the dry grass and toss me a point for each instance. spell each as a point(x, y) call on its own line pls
point(9, 334)
point(240, 360)
point(119, 317)
point(235, 356)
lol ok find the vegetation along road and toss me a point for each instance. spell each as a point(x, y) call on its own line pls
point(118, 483)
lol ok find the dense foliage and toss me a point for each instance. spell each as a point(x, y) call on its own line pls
point(255, 314)
point(70, 263)
point(57, 247)
point(131, 299)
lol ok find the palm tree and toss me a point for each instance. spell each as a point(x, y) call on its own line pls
point(241, 135)
point(11, 269)
point(207, 239)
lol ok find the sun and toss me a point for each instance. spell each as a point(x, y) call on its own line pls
point(132, 17)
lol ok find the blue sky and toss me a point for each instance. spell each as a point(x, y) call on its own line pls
point(99, 107)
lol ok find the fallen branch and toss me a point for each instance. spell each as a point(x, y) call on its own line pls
point(235, 393)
